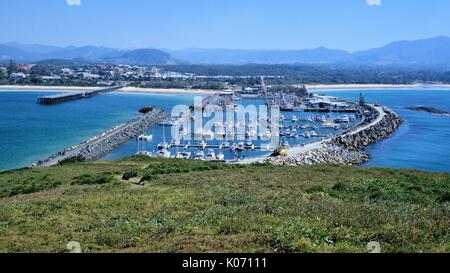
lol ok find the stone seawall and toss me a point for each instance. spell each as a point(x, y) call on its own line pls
point(372, 134)
point(347, 148)
point(101, 145)
point(105, 146)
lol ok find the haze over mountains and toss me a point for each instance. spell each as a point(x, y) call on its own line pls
point(434, 52)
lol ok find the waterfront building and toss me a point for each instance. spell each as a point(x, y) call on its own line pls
point(3, 71)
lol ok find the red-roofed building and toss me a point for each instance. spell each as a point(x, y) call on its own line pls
point(24, 67)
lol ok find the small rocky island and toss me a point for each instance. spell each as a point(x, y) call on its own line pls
point(428, 110)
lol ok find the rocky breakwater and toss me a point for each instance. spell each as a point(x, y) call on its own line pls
point(326, 153)
point(345, 149)
point(101, 145)
point(378, 130)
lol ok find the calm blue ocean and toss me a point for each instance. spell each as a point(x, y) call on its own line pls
point(29, 132)
point(423, 140)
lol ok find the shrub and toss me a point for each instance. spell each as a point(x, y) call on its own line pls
point(74, 159)
point(130, 174)
point(87, 179)
point(147, 178)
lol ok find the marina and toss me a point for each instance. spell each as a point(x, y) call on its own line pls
point(43, 144)
point(236, 140)
point(240, 146)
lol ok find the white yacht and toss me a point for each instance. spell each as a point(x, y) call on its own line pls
point(183, 155)
point(149, 154)
point(225, 145)
point(199, 155)
point(294, 118)
point(234, 147)
point(198, 132)
point(208, 134)
point(329, 125)
point(210, 155)
point(241, 146)
point(220, 131)
point(346, 119)
point(220, 156)
point(266, 135)
point(251, 133)
point(164, 153)
point(145, 137)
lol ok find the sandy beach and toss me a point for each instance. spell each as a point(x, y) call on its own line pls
point(169, 91)
point(125, 89)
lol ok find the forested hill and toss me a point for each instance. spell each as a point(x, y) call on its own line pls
point(321, 74)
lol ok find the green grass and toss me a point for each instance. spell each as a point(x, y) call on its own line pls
point(192, 206)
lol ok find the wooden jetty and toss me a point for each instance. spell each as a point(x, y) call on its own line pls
point(65, 97)
point(221, 100)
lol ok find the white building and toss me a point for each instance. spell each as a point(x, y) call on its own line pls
point(87, 75)
point(18, 76)
point(3, 71)
point(54, 77)
point(67, 72)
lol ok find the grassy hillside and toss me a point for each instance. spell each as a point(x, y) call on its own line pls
point(190, 206)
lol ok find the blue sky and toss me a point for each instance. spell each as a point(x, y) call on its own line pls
point(250, 24)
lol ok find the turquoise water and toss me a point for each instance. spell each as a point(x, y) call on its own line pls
point(29, 132)
point(423, 140)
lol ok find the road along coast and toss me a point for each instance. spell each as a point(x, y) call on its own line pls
point(101, 145)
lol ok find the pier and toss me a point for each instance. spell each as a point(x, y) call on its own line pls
point(65, 97)
point(221, 100)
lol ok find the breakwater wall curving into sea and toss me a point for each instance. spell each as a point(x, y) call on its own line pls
point(101, 145)
point(380, 130)
point(346, 148)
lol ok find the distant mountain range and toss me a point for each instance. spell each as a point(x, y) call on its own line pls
point(88, 54)
point(434, 52)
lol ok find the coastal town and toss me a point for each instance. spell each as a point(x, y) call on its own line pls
point(107, 75)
